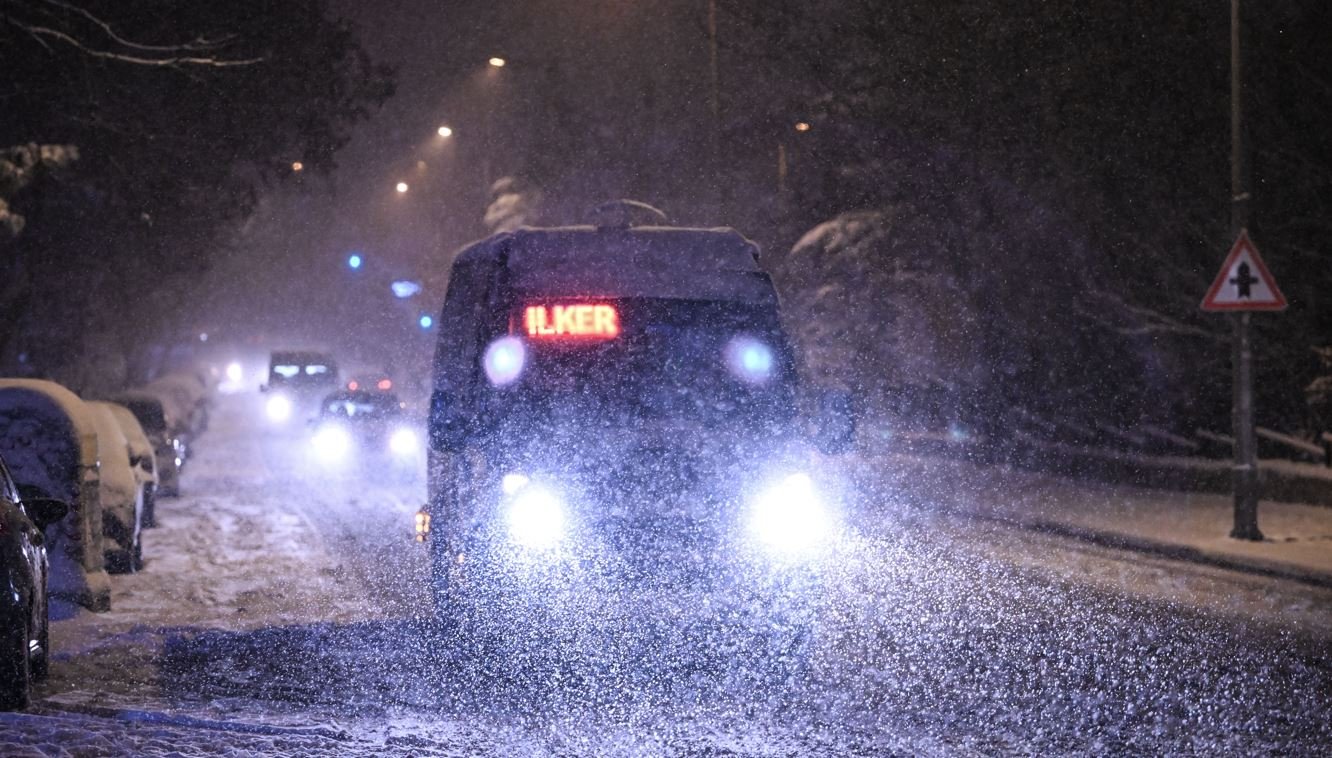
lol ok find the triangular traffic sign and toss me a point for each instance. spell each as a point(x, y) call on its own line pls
point(1244, 283)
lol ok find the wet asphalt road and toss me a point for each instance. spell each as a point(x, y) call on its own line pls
point(936, 636)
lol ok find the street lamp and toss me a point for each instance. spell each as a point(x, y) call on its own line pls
point(402, 187)
point(444, 131)
point(354, 261)
point(498, 62)
point(297, 166)
point(802, 126)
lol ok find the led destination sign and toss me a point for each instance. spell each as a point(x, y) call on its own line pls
point(572, 320)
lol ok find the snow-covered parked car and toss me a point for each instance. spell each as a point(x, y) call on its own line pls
point(143, 460)
point(158, 422)
point(186, 395)
point(122, 495)
point(49, 439)
point(25, 651)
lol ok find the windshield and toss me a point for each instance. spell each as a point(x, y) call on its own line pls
point(674, 361)
point(302, 370)
point(361, 405)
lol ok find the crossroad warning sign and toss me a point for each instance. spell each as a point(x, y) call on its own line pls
point(1244, 283)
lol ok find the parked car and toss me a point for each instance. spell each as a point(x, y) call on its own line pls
point(187, 395)
point(49, 440)
point(158, 424)
point(142, 460)
point(122, 496)
point(24, 620)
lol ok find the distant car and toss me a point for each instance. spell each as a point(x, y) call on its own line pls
point(370, 425)
point(24, 647)
point(296, 379)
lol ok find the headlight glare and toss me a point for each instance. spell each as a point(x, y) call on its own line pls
point(536, 518)
point(332, 442)
point(278, 408)
point(403, 443)
point(790, 517)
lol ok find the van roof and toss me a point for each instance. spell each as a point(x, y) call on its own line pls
point(666, 262)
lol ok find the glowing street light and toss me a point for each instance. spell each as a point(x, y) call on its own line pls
point(444, 131)
point(354, 261)
point(297, 166)
point(498, 62)
point(402, 187)
point(426, 321)
point(802, 126)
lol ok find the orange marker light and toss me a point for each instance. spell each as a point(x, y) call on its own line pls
point(580, 320)
point(385, 384)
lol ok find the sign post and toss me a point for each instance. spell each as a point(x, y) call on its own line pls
point(1242, 286)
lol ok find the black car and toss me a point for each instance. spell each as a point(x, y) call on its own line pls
point(615, 411)
point(371, 426)
point(24, 625)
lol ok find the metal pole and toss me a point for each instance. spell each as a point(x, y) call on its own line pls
point(1246, 458)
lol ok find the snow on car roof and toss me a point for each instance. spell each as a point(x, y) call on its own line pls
point(40, 421)
point(139, 446)
point(118, 485)
point(667, 262)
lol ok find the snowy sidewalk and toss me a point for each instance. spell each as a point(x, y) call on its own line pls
point(1179, 525)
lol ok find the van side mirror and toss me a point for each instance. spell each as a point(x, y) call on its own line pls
point(835, 423)
point(41, 509)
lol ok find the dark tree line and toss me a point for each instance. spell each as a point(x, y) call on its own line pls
point(180, 113)
point(1075, 148)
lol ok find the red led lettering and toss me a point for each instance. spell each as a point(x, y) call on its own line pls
point(577, 320)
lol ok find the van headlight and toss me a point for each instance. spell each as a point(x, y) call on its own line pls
point(403, 443)
point(535, 517)
point(791, 517)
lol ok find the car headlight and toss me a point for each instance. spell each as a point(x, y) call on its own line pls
point(278, 408)
point(790, 517)
point(332, 442)
point(403, 442)
point(535, 518)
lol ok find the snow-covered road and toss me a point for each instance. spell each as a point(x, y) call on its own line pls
point(277, 615)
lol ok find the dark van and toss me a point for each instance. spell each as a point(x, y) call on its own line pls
point(297, 379)
point(615, 412)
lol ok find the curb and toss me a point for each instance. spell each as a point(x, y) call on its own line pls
point(1169, 550)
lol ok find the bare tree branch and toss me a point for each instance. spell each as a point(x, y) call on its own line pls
point(37, 32)
point(136, 53)
point(197, 44)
